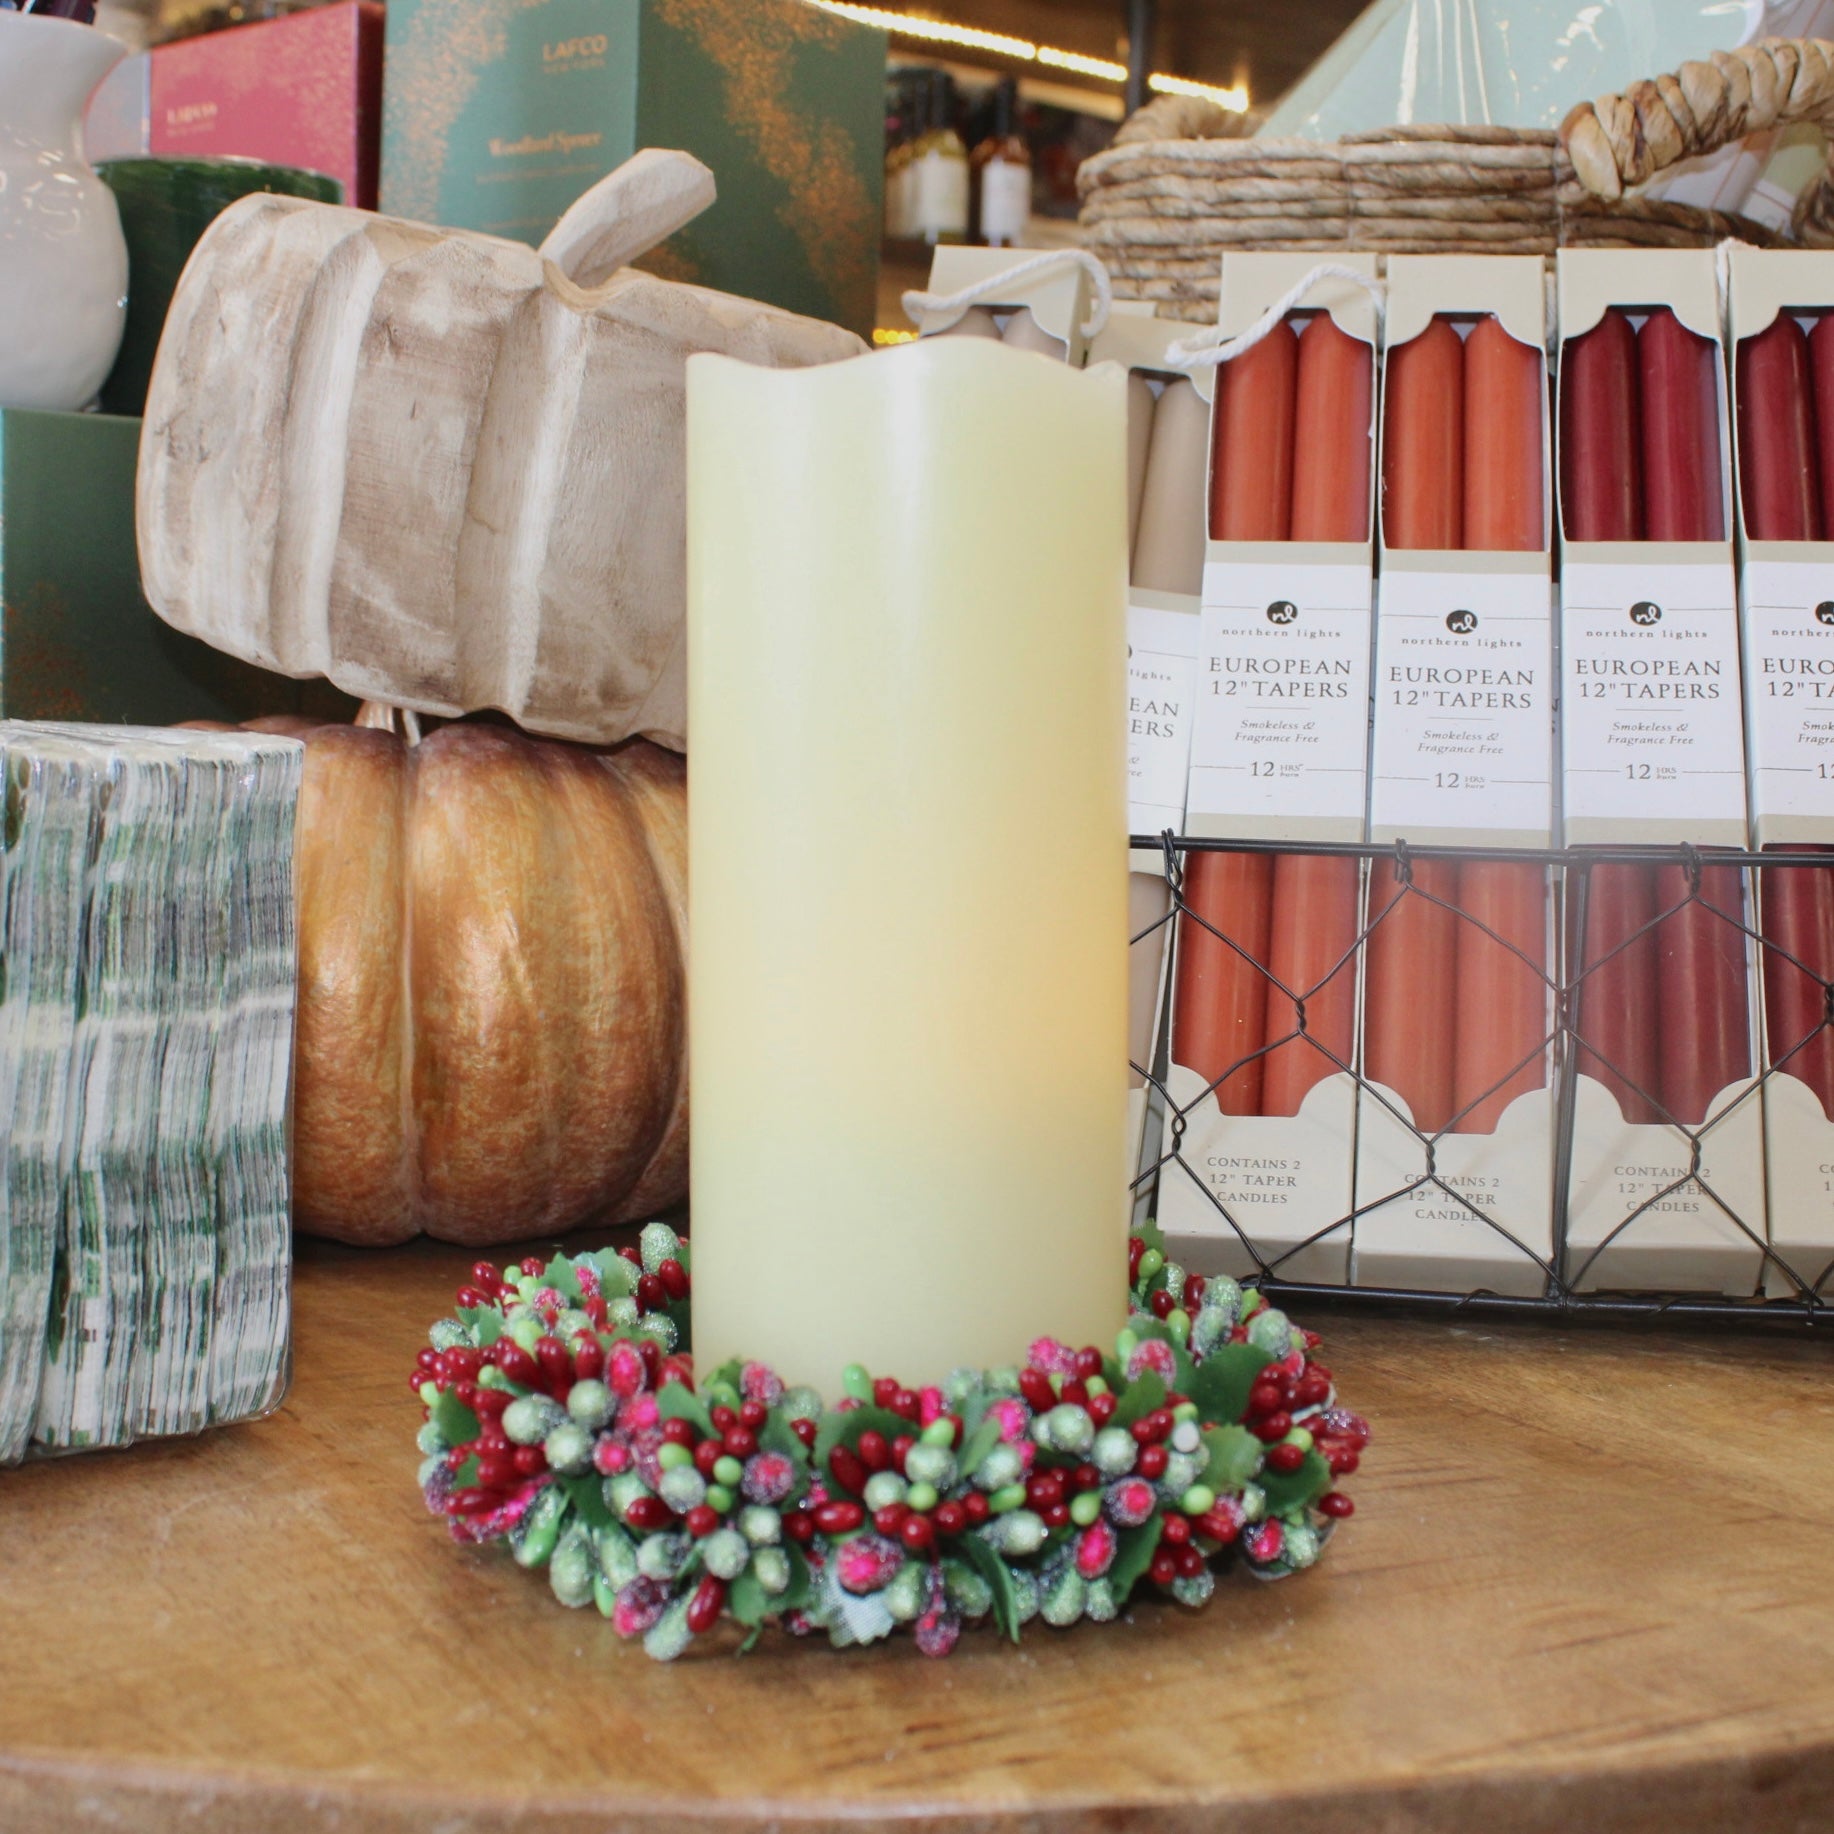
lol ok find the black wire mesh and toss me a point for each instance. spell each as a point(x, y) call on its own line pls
point(1716, 1203)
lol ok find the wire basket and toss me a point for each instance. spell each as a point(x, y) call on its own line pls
point(1178, 189)
point(1791, 1255)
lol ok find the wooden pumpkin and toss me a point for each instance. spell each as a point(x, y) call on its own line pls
point(492, 1031)
point(444, 470)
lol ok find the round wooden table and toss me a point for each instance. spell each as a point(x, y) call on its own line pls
point(1590, 1586)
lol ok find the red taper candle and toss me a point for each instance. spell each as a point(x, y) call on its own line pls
point(1423, 452)
point(1677, 380)
point(1332, 434)
point(1251, 468)
point(1821, 375)
point(1616, 1005)
point(1601, 492)
point(1219, 1011)
point(1502, 1019)
point(1798, 907)
point(1776, 435)
point(1411, 987)
point(1311, 951)
point(1504, 387)
point(1703, 1020)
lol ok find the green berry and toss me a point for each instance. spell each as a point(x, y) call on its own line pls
point(1187, 1410)
point(622, 1313)
point(1150, 1264)
point(1086, 1510)
point(1301, 1438)
point(718, 1498)
point(490, 1376)
point(922, 1496)
point(1064, 1597)
point(617, 1557)
point(1095, 1385)
point(662, 1556)
point(1125, 1344)
point(1019, 1534)
point(883, 1489)
point(672, 1457)
point(669, 1635)
point(532, 1540)
point(904, 1595)
point(1011, 1496)
point(527, 1331)
point(1179, 1324)
point(729, 1472)
point(856, 1380)
point(429, 1392)
point(967, 1591)
point(938, 1433)
point(772, 1567)
point(1198, 1500)
point(1000, 1468)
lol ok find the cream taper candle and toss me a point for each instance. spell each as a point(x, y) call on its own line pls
point(908, 982)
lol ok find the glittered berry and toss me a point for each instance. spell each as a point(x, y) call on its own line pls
point(769, 1478)
point(1334, 1503)
point(1285, 1457)
point(867, 1562)
point(1130, 1502)
point(1264, 1542)
point(1095, 1550)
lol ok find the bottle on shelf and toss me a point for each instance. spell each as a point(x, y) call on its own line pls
point(902, 126)
point(1001, 169)
point(939, 170)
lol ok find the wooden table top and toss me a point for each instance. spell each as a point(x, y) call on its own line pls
point(1590, 1587)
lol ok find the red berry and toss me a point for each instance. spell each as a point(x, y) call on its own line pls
point(1312, 1390)
point(647, 1514)
point(799, 1525)
point(497, 1473)
point(977, 1507)
point(1264, 1398)
point(652, 1295)
point(1057, 1516)
point(469, 1296)
point(467, 1393)
point(1343, 1460)
point(1101, 1408)
point(428, 1360)
point(1219, 1525)
point(632, 1255)
point(884, 1391)
point(674, 1278)
point(724, 1417)
point(531, 1461)
point(1043, 1489)
point(651, 1353)
point(1177, 1531)
point(846, 1470)
point(839, 1518)
point(742, 1442)
point(805, 1430)
point(1036, 1387)
point(486, 1277)
point(1319, 1370)
point(1190, 1562)
point(678, 1432)
point(1152, 1462)
point(1075, 1394)
point(916, 1533)
point(491, 1402)
point(1085, 1477)
point(950, 1519)
point(906, 1403)
point(595, 1308)
point(753, 1415)
point(900, 1449)
point(888, 1520)
point(1272, 1427)
point(708, 1602)
point(1335, 1503)
point(707, 1454)
point(875, 1450)
point(1285, 1456)
point(1163, 1303)
point(532, 1264)
point(468, 1502)
point(702, 1520)
point(588, 1359)
point(1165, 1567)
point(1195, 1286)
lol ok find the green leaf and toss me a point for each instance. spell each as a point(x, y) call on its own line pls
point(1152, 1235)
point(1295, 1489)
point(976, 1447)
point(617, 1278)
point(563, 1279)
point(1145, 1393)
point(845, 1429)
point(1235, 1455)
point(455, 1423)
point(677, 1401)
point(466, 1475)
point(993, 1569)
point(484, 1322)
point(1220, 1387)
point(680, 1313)
point(587, 1494)
point(1133, 1555)
point(730, 1373)
point(795, 1597)
point(747, 1600)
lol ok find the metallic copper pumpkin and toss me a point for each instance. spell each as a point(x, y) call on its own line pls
point(492, 931)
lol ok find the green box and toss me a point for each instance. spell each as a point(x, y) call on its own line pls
point(77, 639)
point(497, 114)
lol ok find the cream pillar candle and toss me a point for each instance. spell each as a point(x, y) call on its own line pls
point(908, 999)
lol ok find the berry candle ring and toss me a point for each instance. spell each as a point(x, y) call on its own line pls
point(563, 1418)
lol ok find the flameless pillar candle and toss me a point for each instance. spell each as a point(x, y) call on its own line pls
point(908, 990)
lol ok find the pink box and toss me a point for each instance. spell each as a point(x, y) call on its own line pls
point(305, 90)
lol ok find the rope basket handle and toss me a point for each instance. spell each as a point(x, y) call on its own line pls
point(1621, 141)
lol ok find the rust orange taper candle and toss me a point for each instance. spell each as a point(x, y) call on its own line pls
point(1410, 985)
point(1504, 389)
point(1334, 396)
point(1312, 933)
point(1251, 478)
point(1219, 1011)
point(1423, 454)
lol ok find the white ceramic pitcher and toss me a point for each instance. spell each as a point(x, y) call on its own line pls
point(63, 263)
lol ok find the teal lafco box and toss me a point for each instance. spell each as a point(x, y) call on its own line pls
point(497, 114)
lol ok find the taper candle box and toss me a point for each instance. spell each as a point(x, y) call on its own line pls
point(304, 90)
point(1652, 750)
point(79, 640)
point(1455, 1136)
point(1264, 990)
point(497, 114)
point(1781, 317)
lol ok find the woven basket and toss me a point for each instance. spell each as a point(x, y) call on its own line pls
point(1179, 188)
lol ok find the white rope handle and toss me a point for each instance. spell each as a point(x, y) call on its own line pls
point(951, 306)
point(1209, 347)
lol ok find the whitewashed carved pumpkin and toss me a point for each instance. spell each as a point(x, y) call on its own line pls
point(443, 470)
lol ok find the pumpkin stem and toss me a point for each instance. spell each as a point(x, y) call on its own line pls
point(379, 716)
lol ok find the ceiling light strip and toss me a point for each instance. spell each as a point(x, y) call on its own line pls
point(944, 32)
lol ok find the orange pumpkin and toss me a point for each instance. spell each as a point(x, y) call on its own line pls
point(492, 929)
